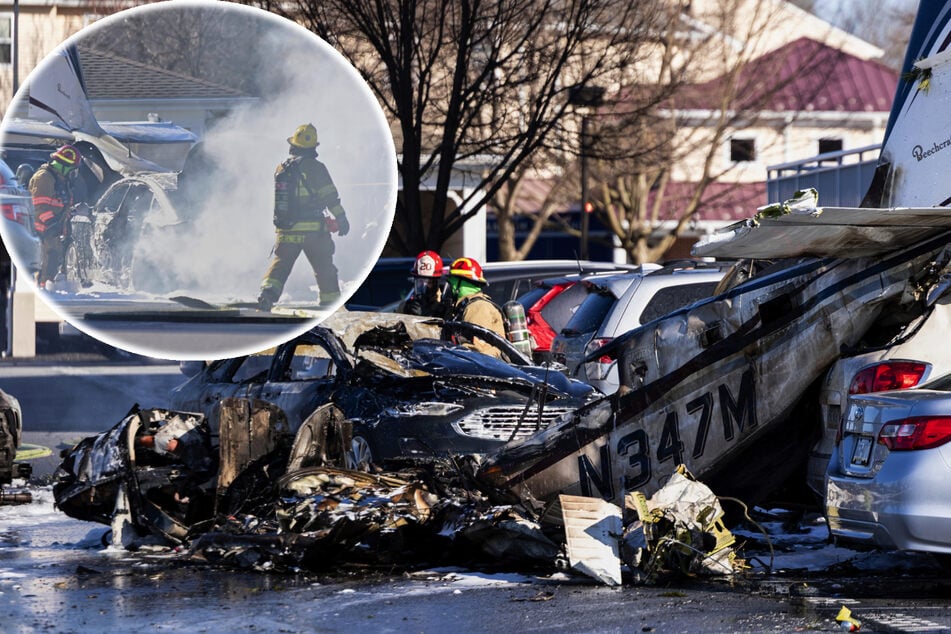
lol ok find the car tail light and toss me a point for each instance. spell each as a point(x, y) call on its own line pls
point(596, 343)
point(15, 214)
point(887, 376)
point(599, 368)
point(922, 432)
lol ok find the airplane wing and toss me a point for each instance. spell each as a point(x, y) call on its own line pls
point(60, 97)
point(846, 232)
point(36, 129)
point(111, 142)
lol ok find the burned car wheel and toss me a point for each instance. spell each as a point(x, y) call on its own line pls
point(79, 257)
point(360, 455)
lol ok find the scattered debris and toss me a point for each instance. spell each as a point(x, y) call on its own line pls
point(266, 501)
point(846, 622)
point(592, 531)
point(679, 530)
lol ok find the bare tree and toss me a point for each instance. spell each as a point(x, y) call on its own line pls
point(474, 82)
point(198, 42)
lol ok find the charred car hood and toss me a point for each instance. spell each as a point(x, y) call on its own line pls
point(453, 363)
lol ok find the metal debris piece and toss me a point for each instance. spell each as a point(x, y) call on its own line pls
point(680, 530)
point(506, 534)
point(592, 530)
point(804, 201)
point(169, 491)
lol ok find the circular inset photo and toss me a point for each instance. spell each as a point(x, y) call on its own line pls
point(205, 180)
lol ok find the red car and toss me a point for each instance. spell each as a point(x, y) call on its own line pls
point(551, 303)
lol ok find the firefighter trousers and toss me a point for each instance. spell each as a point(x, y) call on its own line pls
point(53, 252)
point(317, 247)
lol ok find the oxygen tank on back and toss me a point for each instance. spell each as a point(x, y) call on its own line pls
point(516, 327)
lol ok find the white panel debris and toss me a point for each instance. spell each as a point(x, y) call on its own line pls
point(592, 530)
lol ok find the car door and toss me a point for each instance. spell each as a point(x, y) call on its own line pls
point(303, 377)
point(238, 377)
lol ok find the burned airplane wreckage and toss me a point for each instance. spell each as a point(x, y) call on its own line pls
point(259, 488)
point(719, 390)
point(722, 386)
point(711, 389)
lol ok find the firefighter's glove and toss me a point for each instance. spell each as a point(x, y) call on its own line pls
point(343, 225)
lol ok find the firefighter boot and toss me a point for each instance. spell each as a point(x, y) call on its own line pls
point(267, 298)
point(327, 299)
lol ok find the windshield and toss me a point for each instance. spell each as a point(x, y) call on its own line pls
point(590, 313)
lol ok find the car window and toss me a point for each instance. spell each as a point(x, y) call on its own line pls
point(590, 313)
point(942, 384)
point(503, 291)
point(528, 299)
point(563, 306)
point(252, 366)
point(309, 362)
point(114, 199)
point(669, 299)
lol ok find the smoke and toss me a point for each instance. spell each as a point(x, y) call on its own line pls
point(223, 249)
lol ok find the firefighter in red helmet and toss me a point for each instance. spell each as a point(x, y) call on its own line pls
point(427, 276)
point(470, 304)
point(51, 187)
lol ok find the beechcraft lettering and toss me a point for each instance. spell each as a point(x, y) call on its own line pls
point(634, 456)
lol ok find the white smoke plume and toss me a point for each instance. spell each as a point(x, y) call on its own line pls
point(227, 247)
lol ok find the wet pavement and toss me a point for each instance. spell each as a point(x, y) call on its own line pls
point(56, 576)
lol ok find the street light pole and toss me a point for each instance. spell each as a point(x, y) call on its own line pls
point(584, 187)
point(587, 97)
point(16, 45)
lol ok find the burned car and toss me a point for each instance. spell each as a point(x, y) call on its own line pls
point(404, 387)
point(11, 428)
point(282, 426)
point(103, 239)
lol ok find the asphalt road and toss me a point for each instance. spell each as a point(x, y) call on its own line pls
point(54, 576)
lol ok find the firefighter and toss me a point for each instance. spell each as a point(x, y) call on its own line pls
point(306, 211)
point(53, 196)
point(426, 298)
point(471, 305)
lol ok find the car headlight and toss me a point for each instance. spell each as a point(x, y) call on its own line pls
point(424, 409)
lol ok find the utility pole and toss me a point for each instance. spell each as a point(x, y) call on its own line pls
point(586, 98)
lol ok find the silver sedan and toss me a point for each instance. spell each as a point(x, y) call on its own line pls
point(887, 482)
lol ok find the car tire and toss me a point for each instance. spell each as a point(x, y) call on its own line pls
point(79, 261)
point(360, 455)
point(943, 559)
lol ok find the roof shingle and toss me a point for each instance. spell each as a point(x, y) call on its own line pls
point(111, 76)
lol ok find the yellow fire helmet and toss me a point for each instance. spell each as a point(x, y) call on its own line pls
point(304, 137)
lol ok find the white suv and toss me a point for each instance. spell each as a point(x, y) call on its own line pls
point(622, 303)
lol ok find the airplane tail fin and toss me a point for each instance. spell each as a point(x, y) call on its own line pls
point(61, 96)
point(916, 152)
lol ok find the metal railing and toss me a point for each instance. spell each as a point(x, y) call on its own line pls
point(841, 178)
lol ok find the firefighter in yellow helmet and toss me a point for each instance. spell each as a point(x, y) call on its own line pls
point(51, 187)
point(470, 304)
point(307, 210)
